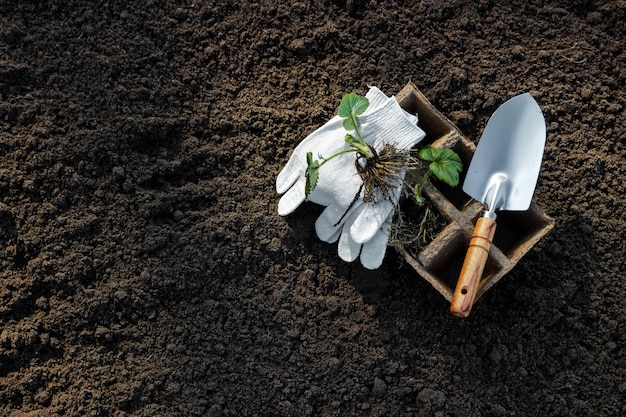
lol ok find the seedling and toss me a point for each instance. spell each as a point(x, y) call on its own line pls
point(418, 224)
point(380, 171)
point(445, 165)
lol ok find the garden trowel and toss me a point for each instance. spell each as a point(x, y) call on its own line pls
point(502, 176)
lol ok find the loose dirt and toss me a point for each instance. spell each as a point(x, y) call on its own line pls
point(144, 270)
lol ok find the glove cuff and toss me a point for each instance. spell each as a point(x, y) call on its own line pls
point(376, 99)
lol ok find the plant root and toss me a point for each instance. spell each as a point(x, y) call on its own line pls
point(416, 230)
point(383, 172)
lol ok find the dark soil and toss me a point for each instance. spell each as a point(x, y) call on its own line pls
point(145, 272)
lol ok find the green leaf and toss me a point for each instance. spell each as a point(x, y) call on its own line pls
point(446, 166)
point(429, 153)
point(311, 174)
point(352, 105)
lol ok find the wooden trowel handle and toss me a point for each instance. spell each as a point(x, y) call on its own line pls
point(473, 267)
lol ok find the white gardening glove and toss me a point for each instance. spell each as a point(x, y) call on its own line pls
point(362, 228)
point(325, 141)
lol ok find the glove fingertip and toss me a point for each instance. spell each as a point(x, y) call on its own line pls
point(372, 263)
point(284, 209)
point(325, 230)
point(290, 201)
point(285, 179)
point(369, 222)
point(348, 249)
point(373, 252)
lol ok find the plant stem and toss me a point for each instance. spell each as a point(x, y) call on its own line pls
point(324, 160)
point(361, 145)
point(419, 199)
point(356, 129)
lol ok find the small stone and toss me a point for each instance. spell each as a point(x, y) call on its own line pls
point(380, 388)
point(119, 173)
point(431, 399)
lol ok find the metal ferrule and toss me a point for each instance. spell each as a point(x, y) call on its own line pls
point(491, 215)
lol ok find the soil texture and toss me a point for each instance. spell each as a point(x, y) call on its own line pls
point(144, 270)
